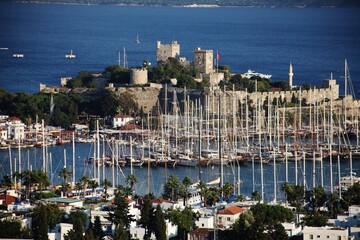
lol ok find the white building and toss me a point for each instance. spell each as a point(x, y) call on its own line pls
point(228, 216)
point(137, 232)
point(325, 233)
point(106, 225)
point(205, 222)
point(121, 120)
point(166, 204)
point(3, 134)
point(59, 231)
point(291, 229)
point(15, 128)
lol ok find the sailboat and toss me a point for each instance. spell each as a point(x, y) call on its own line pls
point(137, 39)
point(71, 55)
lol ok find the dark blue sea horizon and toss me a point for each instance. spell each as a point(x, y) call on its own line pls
point(315, 40)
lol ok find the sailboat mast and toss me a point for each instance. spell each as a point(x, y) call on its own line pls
point(200, 127)
point(220, 151)
point(73, 156)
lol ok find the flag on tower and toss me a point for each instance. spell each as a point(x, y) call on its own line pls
point(217, 56)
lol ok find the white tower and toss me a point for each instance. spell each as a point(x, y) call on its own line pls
point(291, 74)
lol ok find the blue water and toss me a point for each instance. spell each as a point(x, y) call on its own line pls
point(32, 159)
point(315, 40)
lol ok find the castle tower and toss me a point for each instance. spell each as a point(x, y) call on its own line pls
point(165, 51)
point(138, 76)
point(203, 61)
point(291, 74)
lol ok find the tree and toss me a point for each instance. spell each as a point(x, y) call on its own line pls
point(97, 228)
point(146, 215)
point(120, 233)
point(203, 189)
point(106, 184)
point(186, 182)
point(121, 215)
point(39, 220)
point(172, 188)
point(64, 174)
point(352, 195)
point(183, 219)
point(10, 228)
point(84, 181)
point(6, 182)
point(228, 190)
point(256, 196)
point(65, 188)
point(159, 222)
point(77, 233)
point(28, 179)
point(42, 179)
point(314, 219)
point(77, 215)
point(93, 185)
point(131, 180)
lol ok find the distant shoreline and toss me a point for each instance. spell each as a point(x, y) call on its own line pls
point(177, 6)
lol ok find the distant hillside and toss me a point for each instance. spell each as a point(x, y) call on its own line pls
point(240, 3)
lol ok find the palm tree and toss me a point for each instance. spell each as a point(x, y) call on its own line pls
point(131, 180)
point(173, 183)
point(84, 182)
point(203, 189)
point(65, 188)
point(186, 182)
point(78, 186)
point(42, 179)
point(256, 196)
point(93, 184)
point(28, 177)
point(7, 182)
point(64, 173)
point(286, 188)
point(106, 184)
point(228, 189)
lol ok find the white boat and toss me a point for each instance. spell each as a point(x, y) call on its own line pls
point(4, 48)
point(18, 55)
point(71, 55)
point(137, 39)
point(349, 180)
point(184, 160)
point(250, 73)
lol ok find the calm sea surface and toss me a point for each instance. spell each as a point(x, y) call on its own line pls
point(316, 41)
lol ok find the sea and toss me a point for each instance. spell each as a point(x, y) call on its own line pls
point(315, 40)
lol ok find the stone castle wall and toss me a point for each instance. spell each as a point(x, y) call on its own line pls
point(138, 76)
point(165, 51)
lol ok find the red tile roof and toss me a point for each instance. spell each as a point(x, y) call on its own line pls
point(232, 210)
point(14, 119)
point(122, 116)
point(159, 201)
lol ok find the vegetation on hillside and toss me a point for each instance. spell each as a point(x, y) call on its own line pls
point(256, 3)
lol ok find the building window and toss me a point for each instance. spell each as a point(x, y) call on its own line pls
point(339, 237)
point(318, 236)
point(202, 224)
point(228, 219)
point(311, 237)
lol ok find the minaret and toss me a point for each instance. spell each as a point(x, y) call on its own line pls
point(291, 74)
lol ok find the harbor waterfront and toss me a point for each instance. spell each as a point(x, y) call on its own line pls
point(250, 175)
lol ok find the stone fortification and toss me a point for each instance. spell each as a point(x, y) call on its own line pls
point(203, 61)
point(145, 96)
point(138, 76)
point(165, 51)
